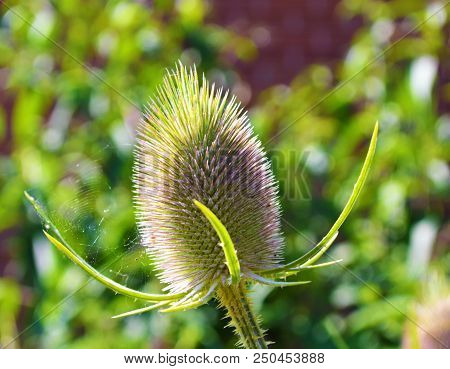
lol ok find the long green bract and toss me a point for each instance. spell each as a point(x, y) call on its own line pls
point(141, 310)
point(45, 218)
point(271, 282)
point(319, 249)
point(192, 303)
point(62, 246)
point(231, 258)
point(117, 287)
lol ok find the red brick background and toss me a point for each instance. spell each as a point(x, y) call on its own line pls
point(290, 34)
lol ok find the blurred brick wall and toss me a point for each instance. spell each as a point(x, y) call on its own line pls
point(290, 34)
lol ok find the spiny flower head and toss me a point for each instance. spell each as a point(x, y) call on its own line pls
point(196, 143)
point(207, 206)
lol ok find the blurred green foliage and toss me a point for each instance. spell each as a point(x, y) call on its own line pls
point(398, 230)
point(71, 143)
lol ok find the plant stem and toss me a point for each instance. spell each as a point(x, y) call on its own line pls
point(234, 298)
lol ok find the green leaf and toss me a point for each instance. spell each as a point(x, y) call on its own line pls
point(231, 258)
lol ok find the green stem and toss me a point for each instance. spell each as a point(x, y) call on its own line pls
point(234, 298)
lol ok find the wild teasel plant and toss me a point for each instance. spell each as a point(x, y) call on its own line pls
point(207, 206)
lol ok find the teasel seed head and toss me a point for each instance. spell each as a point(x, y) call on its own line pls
point(207, 206)
point(195, 142)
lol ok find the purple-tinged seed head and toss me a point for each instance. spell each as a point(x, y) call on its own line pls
point(196, 143)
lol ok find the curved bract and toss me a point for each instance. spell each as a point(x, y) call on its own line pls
point(117, 287)
point(68, 251)
point(231, 257)
point(318, 250)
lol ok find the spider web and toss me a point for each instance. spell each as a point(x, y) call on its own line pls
point(93, 212)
